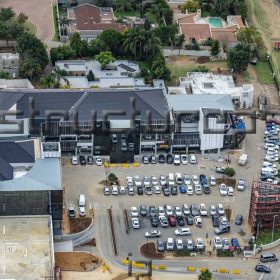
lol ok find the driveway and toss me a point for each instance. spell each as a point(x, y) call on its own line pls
point(39, 12)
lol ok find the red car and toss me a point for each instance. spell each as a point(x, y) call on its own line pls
point(172, 221)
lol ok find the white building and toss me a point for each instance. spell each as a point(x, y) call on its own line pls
point(208, 83)
point(9, 63)
point(119, 74)
point(15, 84)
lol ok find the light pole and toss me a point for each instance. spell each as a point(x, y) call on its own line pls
point(272, 235)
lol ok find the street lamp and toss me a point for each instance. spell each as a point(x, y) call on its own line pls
point(273, 225)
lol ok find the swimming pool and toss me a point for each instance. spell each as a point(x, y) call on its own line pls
point(215, 22)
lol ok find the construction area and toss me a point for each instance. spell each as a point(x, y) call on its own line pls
point(26, 247)
point(264, 206)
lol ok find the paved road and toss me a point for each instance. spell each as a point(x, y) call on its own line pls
point(85, 180)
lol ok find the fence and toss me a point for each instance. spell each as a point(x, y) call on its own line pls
point(175, 52)
point(271, 245)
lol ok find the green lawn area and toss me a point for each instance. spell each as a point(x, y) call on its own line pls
point(246, 76)
point(263, 72)
point(30, 27)
point(118, 13)
point(264, 236)
point(205, 13)
point(55, 21)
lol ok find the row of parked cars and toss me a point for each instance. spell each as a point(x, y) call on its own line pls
point(170, 159)
point(168, 216)
point(90, 160)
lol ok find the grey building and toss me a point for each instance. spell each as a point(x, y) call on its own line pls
point(9, 63)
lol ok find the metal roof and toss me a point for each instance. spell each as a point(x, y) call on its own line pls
point(45, 175)
point(193, 102)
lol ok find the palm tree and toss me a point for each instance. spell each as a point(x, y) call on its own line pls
point(63, 22)
point(48, 81)
point(151, 44)
point(60, 74)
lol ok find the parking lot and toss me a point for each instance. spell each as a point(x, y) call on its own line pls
point(86, 179)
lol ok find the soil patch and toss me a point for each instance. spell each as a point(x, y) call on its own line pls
point(105, 183)
point(228, 213)
point(76, 261)
point(148, 250)
point(228, 181)
point(79, 224)
point(92, 243)
point(202, 59)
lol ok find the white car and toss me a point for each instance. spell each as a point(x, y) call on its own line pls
point(178, 178)
point(162, 180)
point(178, 211)
point(241, 185)
point(199, 244)
point(179, 244)
point(198, 189)
point(122, 190)
point(170, 244)
point(74, 160)
point(135, 223)
point(115, 190)
point(129, 181)
point(134, 211)
point(186, 210)
point(154, 180)
point(213, 210)
point(223, 189)
point(98, 161)
point(223, 220)
point(195, 180)
point(226, 243)
point(202, 209)
point(193, 159)
point(230, 191)
point(189, 244)
point(152, 233)
point(187, 179)
point(189, 189)
point(183, 232)
point(146, 181)
point(184, 159)
point(137, 181)
point(177, 160)
point(198, 221)
point(271, 158)
point(156, 189)
point(168, 210)
point(163, 221)
point(218, 243)
point(221, 210)
point(212, 180)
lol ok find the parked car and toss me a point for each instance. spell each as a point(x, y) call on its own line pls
point(146, 181)
point(115, 190)
point(161, 158)
point(143, 210)
point(220, 169)
point(218, 243)
point(74, 160)
point(161, 211)
point(82, 160)
point(212, 180)
point(177, 160)
point(134, 212)
point(163, 221)
point(183, 232)
point(122, 190)
point(166, 190)
point(98, 161)
point(226, 244)
point(137, 181)
point(190, 245)
point(172, 221)
point(179, 244)
point(230, 191)
point(154, 180)
point(262, 268)
point(194, 210)
point(182, 189)
point(189, 220)
point(186, 210)
point(206, 189)
point(145, 160)
point(130, 190)
point(152, 233)
point(189, 189)
point(168, 210)
point(198, 189)
point(235, 243)
point(195, 180)
point(178, 178)
point(178, 211)
point(193, 159)
point(135, 223)
point(149, 190)
point(223, 189)
point(221, 210)
point(152, 211)
point(140, 190)
point(184, 159)
point(154, 221)
point(90, 160)
point(222, 229)
point(160, 245)
point(238, 219)
point(71, 212)
point(203, 210)
point(215, 220)
point(241, 185)
point(153, 159)
point(169, 158)
point(223, 220)
point(203, 180)
point(180, 220)
point(162, 180)
point(199, 244)
point(106, 190)
point(174, 190)
point(213, 210)
point(186, 179)
point(198, 221)
point(156, 189)
point(170, 244)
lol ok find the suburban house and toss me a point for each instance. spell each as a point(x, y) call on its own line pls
point(9, 63)
point(143, 120)
point(90, 20)
point(118, 74)
point(197, 29)
point(208, 83)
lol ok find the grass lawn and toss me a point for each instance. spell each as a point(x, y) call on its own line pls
point(264, 236)
point(30, 27)
point(55, 22)
point(118, 13)
point(246, 76)
point(263, 72)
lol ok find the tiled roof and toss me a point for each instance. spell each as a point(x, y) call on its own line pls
point(87, 16)
point(185, 18)
point(197, 31)
point(224, 35)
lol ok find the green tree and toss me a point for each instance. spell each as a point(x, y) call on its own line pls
point(4, 75)
point(111, 40)
point(205, 275)
point(76, 44)
point(30, 47)
point(30, 69)
point(191, 6)
point(90, 76)
point(123, 5)
point(63, 52)
point(22, 18)
point(215, 47)
point(238, 58)
point(166, 34)
point(112, 177)
point(230, 172)
point(159, 69)
point(104, 58)
point(161, 12)
point(48, 81)
point(6, 14)
point(249, 35)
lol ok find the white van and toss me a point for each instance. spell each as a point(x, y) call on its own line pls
point(82, 205)
point(271, 145)
point(243, 159)
point(269, 171)
point(171, 179)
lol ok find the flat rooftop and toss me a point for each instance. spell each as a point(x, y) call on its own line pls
point(25, 248)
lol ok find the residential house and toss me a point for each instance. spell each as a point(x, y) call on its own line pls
point(9, 63)
point(90, 20)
